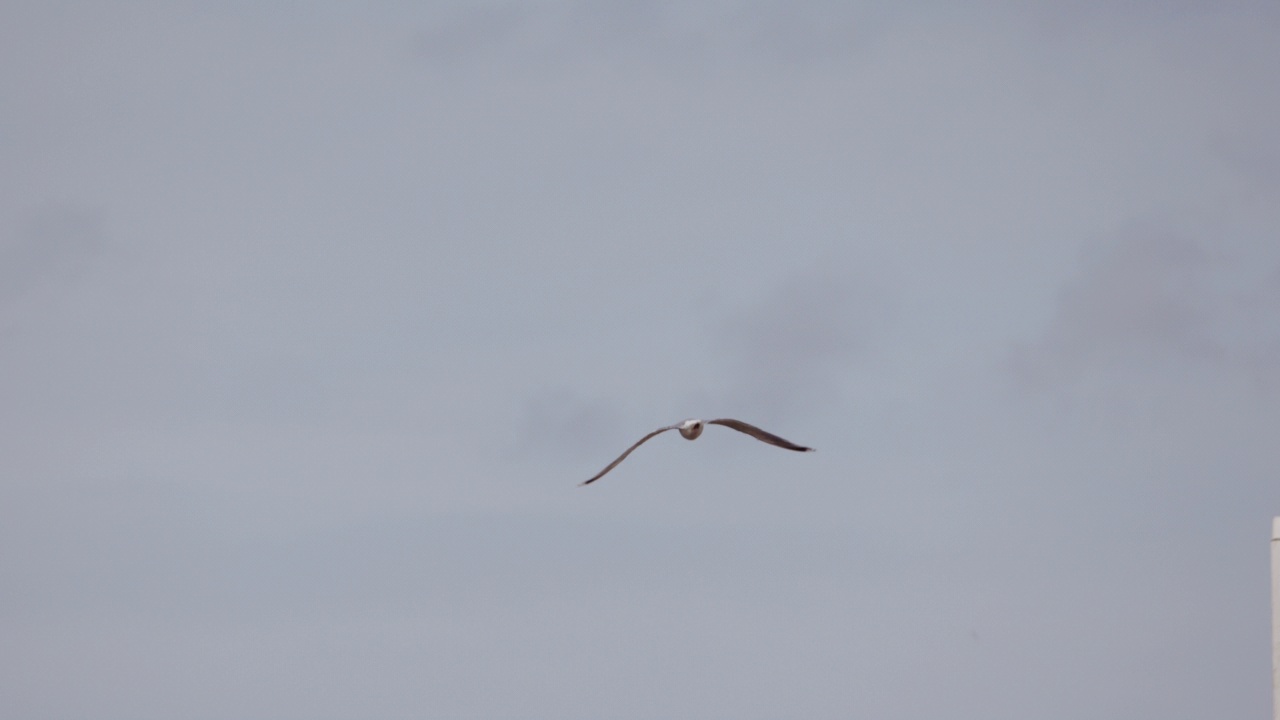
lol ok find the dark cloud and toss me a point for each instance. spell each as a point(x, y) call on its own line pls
point(1154, 302)
point(1258, 165)
point(1081, 17)
point(793, 346)
point(561, 422)
point(471, 33)
point(1140, 301)
point(692, 36)
point(50, 244)
point(1256, 318)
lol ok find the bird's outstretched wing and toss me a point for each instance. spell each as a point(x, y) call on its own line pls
point(756, 433)
point(624, 455)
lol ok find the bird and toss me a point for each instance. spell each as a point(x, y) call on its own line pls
point(692, 428)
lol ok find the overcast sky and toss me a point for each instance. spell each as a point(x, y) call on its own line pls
point(314, 315)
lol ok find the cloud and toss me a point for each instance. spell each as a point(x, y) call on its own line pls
point(794, 345)
point(562, 422)
point(690, 36)
point(1155, 378)
point(1142, 300)
point(48, 244)
point(1154, 302)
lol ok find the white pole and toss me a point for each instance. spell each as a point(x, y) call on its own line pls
point(1275, 617)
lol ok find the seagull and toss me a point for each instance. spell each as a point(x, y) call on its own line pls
point(692, 428)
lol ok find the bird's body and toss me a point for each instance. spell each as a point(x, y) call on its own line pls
point(692, 428)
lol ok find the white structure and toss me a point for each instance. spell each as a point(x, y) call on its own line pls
point(1275, 616)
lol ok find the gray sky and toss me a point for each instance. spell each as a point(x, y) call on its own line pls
point(313, 317)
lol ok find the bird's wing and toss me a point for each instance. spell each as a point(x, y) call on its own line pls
point(624, 455)
point(759, 434)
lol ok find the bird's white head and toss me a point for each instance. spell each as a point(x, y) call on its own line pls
point(691, 429)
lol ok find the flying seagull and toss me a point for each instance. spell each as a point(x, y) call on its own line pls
point(691, 429)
